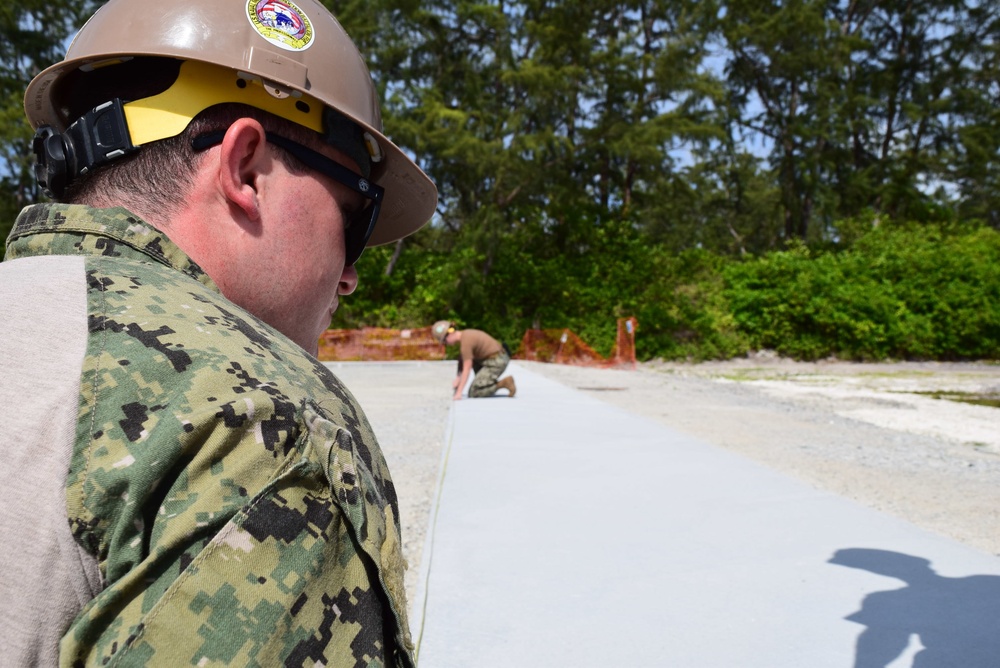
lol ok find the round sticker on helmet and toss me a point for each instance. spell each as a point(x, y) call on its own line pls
point(281, 23)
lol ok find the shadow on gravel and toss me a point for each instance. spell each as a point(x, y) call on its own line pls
point(947, 621)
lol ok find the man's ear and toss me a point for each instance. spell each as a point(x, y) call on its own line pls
point(243, 155)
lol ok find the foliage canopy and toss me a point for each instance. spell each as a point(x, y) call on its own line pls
point(723, 170)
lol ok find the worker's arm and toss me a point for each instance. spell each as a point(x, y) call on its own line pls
point(462, 379)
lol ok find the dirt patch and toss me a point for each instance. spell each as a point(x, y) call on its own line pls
point(946, 400)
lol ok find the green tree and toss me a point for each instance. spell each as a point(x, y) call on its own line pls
point(884, 106)
point(541, 122)
point(33, 35)
point(971, 159)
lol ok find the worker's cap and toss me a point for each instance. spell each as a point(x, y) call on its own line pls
point(441, 329)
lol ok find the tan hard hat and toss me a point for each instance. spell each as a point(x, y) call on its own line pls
point(285, 55)
point(440, 329)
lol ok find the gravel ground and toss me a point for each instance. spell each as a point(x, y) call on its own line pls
point(874, 433)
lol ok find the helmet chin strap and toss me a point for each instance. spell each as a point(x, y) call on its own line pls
point(96, 138)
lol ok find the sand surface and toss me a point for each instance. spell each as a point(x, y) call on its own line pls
point(875, 433)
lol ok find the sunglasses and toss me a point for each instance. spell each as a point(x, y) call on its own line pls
point(358, 225)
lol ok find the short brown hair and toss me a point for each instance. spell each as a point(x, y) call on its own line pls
point(159, 174)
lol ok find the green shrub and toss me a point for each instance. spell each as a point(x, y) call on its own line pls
point(892, 292)
point(905, 292)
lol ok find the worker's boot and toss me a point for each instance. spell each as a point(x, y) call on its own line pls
point(507, 384)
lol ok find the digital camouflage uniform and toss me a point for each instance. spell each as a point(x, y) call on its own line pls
point(228, 486)
point(484, 384)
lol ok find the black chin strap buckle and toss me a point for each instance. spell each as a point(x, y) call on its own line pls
point(96, 138)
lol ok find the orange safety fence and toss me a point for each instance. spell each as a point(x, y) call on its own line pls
point(378, 344)
point(558, 346)
point(563, 346)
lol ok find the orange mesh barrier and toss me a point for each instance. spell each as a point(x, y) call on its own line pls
point(377, 344)
point(559, 346)
point(562, 346)
point(624, 352)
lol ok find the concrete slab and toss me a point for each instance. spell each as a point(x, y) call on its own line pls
point(568, 532)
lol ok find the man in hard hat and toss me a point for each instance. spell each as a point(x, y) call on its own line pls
point(479, 353)
point(183, 482)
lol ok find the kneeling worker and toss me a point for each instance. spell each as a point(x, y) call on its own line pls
point(481, 353)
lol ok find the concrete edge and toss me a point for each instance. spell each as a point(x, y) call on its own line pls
point(419, 604)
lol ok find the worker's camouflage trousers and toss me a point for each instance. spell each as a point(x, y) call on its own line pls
point(488, 371)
